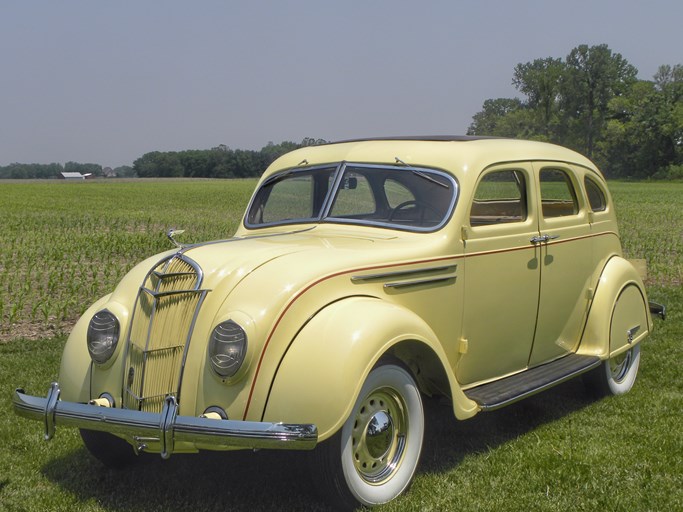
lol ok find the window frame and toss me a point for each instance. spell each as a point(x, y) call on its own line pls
point(573, 186)
point(605, 202)
point(324, 216)
point(524, 196)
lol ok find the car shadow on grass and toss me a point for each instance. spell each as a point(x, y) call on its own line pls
point(271, 480)
point(448, 441)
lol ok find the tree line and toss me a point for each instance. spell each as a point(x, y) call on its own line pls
point(593, 102)
point(51, 171)
point(217, 162)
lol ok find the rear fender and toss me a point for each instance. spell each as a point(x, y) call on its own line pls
point(619, 315)
point(322, 373)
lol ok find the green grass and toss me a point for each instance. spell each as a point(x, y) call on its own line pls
point(557, 451)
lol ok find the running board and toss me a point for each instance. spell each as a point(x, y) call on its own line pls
point(500, 393)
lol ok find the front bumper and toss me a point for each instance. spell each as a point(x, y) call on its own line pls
point(166, 428)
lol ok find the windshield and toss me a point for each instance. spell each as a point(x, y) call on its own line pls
point(403, 197)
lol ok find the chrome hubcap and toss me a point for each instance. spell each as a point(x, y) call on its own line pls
point(620, 364)
point(378, 435)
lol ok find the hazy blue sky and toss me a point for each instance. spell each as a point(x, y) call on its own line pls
point(106, 82)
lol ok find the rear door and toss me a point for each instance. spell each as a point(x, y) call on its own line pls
point(565, 262)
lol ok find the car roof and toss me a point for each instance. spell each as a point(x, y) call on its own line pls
point(441, 138)
point(461, 155)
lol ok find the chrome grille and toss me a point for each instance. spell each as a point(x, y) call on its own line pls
point(165, 311)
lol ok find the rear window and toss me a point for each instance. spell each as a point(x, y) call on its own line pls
point(596, 197)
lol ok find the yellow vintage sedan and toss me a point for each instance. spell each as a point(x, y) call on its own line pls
point(365, 274)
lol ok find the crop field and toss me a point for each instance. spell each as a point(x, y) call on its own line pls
point(63, 245)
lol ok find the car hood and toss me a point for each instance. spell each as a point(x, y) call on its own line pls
point(301, 255)
point(309, 252)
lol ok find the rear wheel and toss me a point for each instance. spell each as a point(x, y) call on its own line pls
point(110, 450)
point(373, 458)
point(616, 375)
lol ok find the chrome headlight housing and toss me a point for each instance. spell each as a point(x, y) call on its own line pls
point(227, 348)
point(103, 336)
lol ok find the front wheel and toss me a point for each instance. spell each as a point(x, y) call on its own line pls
point(110, 450)
point(373, 458)
point(617, 375)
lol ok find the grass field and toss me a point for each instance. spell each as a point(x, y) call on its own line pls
point(65, 244)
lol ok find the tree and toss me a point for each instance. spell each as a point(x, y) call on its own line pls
point(593, 76)
point(157, 164)
point(644, 135)
point(540, 82)
point(593, 102)
point(489, 120)
point(669, 83)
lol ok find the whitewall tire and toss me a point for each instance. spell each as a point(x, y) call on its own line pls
point(373, 458)
point(616, 375)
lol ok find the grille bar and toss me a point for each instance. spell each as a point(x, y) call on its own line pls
point(165, 312)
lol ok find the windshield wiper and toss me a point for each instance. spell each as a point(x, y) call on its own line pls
point(421, 174)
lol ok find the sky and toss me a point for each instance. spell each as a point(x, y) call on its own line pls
point(105, 82)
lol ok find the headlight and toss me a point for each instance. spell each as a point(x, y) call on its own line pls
point(227, 348)
point(103, 335)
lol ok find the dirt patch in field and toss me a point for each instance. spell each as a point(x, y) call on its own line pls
point(36, 330)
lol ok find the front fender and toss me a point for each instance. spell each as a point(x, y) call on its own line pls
point(74, 371)
point(322, 373)
point(619, 315)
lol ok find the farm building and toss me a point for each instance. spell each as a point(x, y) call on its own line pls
point(74, 175)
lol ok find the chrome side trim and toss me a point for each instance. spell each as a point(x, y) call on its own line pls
point(405, 284)
point(403, 273)
point(167, 428)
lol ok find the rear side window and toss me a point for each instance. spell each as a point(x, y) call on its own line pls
point(558, 197)
point(500, 198)
point(596, 197)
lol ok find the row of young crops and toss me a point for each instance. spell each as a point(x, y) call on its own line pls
point(651, 226)
point(63, 245)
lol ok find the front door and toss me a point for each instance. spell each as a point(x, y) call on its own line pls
point(502, 275)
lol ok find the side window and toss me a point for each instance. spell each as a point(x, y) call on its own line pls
point(396, 193)
point(558, 198)
point(500, 198)
point(596, 197)
point(355, 197)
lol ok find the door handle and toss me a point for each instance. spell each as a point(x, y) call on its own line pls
point(539, 239)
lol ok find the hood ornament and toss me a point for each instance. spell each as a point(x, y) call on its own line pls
point(171, 233)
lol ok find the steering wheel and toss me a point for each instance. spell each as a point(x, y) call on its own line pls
point(421, 205)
